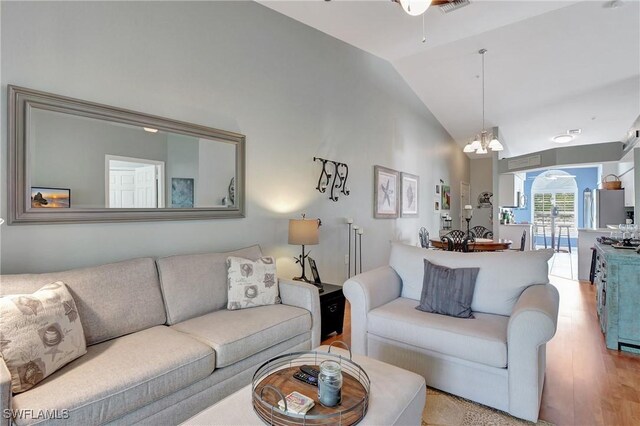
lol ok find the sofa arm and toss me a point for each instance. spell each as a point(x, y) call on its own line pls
point(532, 324)
point(365, 292)
point(5, 393)
point(306, 296)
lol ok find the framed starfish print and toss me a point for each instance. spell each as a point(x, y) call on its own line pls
point(409, 199)
point(386, 193)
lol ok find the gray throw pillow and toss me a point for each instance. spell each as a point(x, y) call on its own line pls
point(447, 291)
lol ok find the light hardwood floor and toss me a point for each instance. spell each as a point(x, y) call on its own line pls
point(586, 384)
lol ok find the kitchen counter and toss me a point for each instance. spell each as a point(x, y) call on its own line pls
point(595, 231)
point(586, 240)
point(618, 296)
point(513, 232)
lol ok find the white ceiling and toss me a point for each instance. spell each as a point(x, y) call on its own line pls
point(550, 65)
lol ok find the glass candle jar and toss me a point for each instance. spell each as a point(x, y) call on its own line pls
point(330, 383)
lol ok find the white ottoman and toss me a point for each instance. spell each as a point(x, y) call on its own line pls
point(396, 397)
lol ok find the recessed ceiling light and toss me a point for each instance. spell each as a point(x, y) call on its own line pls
point(563, 138)
point(150, 130)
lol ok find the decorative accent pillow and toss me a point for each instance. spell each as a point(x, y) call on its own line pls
point(448, 291)
point(39, 333)
point(251, 283)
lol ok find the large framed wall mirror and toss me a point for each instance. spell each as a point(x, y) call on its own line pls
point(77, 161)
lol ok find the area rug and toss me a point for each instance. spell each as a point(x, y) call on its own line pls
point(444, 409)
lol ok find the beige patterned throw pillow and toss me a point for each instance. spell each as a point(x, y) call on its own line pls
point(39, 333)
point(251, 283)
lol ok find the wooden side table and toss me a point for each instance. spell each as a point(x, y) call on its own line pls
point(331, 309)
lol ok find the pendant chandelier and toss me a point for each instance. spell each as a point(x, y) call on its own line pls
point(485, 140)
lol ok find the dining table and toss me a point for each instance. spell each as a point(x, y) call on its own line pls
point(479, 244)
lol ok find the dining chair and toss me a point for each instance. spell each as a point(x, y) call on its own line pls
point(458, 240)
point(423, 235)
point(523, 242)
point(480, 231)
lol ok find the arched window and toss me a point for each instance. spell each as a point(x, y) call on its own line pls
point(559, 188)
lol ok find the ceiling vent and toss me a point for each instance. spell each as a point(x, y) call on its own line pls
point(454, 5)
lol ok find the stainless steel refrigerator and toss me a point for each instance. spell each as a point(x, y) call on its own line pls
point(608, 207)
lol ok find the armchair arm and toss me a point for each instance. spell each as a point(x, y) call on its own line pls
point(365, 292)
point(5, 393)
point(532, 324)
point(306, 296)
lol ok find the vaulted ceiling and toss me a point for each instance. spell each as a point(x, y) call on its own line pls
point(550, 66)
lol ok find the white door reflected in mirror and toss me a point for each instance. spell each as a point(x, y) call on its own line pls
point(134, 182)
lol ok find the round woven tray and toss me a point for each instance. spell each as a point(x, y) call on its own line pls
point(274, 380)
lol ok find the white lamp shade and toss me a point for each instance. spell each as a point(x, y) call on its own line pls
point(481, 150)
point(303, 232)
point(476, 145)
point(468, 148)
point(415, 7)
point(495, 145)
point(468, 212)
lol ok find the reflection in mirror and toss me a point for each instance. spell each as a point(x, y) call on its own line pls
point(106, 164)
point(75, 161)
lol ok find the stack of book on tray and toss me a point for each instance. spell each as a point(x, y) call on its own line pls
point(297, 403)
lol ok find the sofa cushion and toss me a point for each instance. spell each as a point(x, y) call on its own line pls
point(196, 284)
point(482, 339)
point(40, 332)
point(251, 283)
point(502, 278)
point(447, 291)
point(120, 376)
point(236, 335)
point(112, 300)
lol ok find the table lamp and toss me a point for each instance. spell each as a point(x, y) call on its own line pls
point(303, 232)
point(468, 214)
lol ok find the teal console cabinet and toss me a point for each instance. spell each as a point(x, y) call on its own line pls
point(617, 281)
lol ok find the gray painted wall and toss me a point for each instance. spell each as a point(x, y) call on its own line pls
point(293, 91)
point(217, 167)
point(481, 170)
point(569, 155)
point(182, 153)
point(636, 183)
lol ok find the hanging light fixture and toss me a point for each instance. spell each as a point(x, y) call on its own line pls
point(485, 140)
point(414, 7)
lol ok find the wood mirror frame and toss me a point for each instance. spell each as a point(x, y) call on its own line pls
point(21, 101)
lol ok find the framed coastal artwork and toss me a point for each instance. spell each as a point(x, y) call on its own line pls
point(50, 198)
point(386, 193)
point(409, 190)
point(445, 202)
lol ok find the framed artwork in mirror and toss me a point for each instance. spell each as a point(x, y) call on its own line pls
point(50, 198)
point(182, 192)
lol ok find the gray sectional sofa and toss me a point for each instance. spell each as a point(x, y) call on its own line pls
point(161, 345)
point(497, 358)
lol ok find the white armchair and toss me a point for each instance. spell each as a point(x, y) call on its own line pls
point(496, 359)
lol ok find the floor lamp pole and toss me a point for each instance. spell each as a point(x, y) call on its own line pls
point(349, 222)
point(360, 243)
point(355, 249)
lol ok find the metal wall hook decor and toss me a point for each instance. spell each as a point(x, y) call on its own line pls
point(336, 170)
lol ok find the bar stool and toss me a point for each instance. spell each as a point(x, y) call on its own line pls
point(568, 229)
point(592, 271)
point(535, 235)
